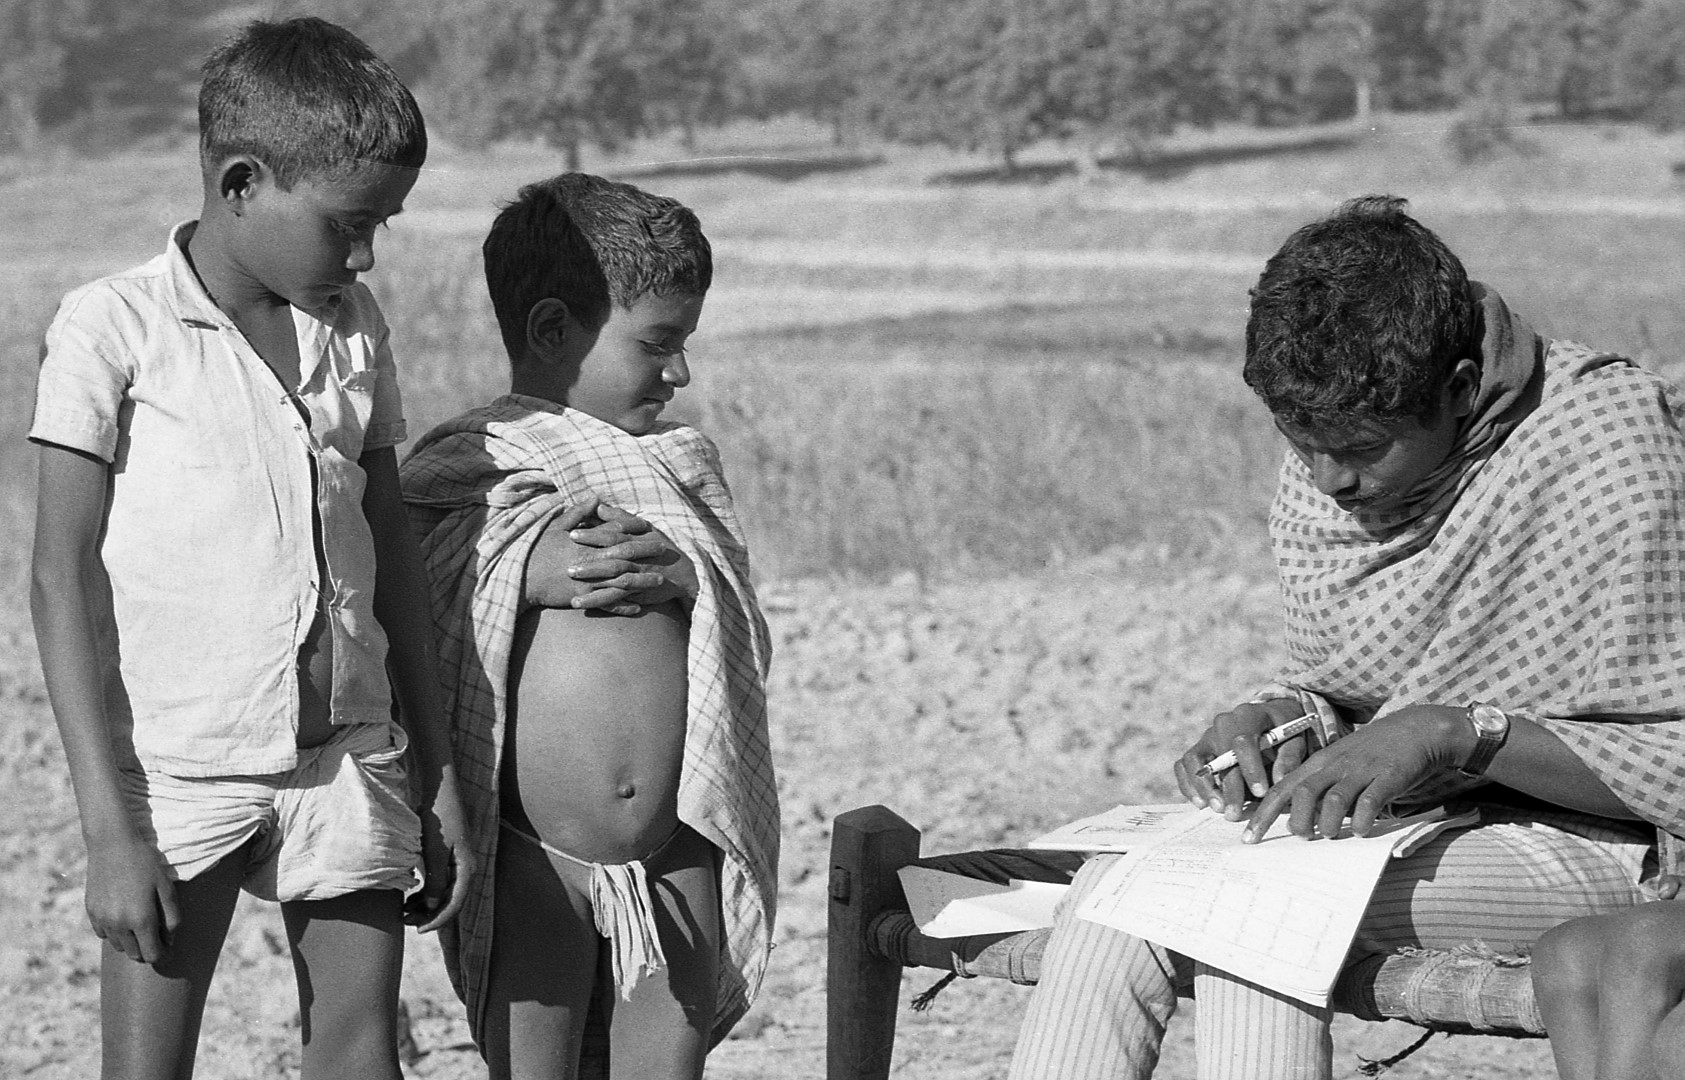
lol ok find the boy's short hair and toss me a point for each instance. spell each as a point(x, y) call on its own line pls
point(1361, 315)
point(308, 99)
point(590, 243)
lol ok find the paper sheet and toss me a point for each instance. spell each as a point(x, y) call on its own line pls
point(1281, 913)
point(1122, 828)
point(947, 905)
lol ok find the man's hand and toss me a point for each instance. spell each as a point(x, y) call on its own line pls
point(635, 565)
point(130, 898)
point(1363, 772)
point(1239, 730)
point(447, 864)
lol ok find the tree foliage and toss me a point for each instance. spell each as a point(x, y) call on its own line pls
point(35, 40)
point(804, 57)
point(978, 74)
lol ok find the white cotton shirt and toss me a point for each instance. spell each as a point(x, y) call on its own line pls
point(208, 539)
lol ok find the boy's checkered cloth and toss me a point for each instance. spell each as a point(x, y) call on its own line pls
point(1542, 571)
point(480, 487)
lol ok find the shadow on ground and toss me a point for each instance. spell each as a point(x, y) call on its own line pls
point(1081, 331)
point(1162, 166)
point(772, 164)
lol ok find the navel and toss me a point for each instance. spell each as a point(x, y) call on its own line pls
point(626, 790)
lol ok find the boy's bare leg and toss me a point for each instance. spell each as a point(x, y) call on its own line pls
point(543, 964)
point(348, 953)
point(1566, 974)
point(150, 1013)
point(1668, 1049)
point(1643, 977)
point(663, 1031)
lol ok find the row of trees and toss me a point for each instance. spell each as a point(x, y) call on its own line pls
point(1112, 75)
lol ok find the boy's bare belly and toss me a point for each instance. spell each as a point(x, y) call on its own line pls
point(596, 729)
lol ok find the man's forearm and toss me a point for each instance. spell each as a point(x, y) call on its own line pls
point(1532, 761)
point(1537, 763)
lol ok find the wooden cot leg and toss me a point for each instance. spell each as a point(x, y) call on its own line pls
point(862, 990)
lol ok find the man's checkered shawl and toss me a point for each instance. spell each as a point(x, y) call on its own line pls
point(480, 488)
point(1545, 577)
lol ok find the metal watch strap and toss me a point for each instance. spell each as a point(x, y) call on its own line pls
point(1491, 728)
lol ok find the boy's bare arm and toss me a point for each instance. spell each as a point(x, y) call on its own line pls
point(545, 581)
point(404, 610)
point(130, 898)
point(608, 559)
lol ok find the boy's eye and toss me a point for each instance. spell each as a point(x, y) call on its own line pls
point(353, 230)
point(661, 348)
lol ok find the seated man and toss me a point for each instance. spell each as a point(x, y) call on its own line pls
point(1480, 537)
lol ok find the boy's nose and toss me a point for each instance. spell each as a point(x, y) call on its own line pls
point(360, 259)
point(677, 371)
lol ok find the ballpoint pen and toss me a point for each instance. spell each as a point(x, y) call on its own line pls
point(1270, 739)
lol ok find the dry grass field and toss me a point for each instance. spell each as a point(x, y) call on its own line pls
point(1005, 489)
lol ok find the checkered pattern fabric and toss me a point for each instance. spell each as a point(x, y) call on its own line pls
point(1544, 572)
point(480, 488)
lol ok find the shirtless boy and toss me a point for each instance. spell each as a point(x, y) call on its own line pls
point(226, 593)
point(604, 655)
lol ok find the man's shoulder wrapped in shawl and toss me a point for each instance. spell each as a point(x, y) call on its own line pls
point(480, 489)
point(1540, 570)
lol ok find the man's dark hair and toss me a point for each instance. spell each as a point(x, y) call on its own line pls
point(309, 100)
point(590, 243)
point(1361, 315)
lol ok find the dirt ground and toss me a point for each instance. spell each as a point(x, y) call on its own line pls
point(983, 713)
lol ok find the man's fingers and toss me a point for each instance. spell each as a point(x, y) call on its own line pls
point(1301, 813)
point(1250, 766)
point(1233, 787)
point(1332, 817)
point(1264, 814)
point(1288, 757)
point(1194, 787)
point(1367, 808)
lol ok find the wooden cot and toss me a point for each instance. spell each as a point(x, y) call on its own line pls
point(872, 937)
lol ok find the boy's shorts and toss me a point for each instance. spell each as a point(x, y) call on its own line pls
point(338, 822)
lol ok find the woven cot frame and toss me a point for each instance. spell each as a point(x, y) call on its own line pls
point(871, 938)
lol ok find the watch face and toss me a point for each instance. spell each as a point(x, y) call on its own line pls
point(1488, 719)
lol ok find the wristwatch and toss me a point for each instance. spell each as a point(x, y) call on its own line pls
point(1491, 728)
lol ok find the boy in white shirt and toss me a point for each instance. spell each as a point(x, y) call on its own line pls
point(226, 595)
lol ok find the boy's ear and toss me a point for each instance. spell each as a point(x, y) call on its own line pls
point(237, 179)
point(551, 330)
